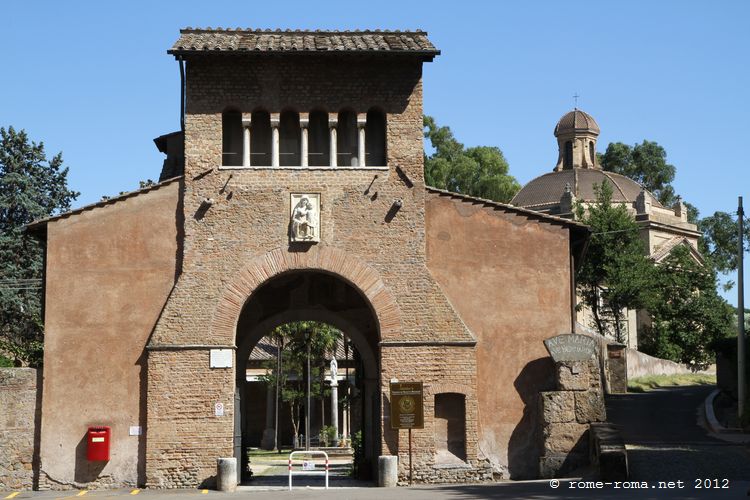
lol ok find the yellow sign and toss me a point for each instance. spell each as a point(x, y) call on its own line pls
point(407, 411)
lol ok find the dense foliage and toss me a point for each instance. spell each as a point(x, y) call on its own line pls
point(645, 163)
point(31, 187)
point(615, 274)
point(295, 342)
point(686, 311)
point(480, 171)
point(689, 316)
point(720, 243)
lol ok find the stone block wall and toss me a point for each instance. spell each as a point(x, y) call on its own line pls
point(19, 412)
point(566, 415)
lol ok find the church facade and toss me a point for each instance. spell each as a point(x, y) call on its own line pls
point(573, 180)
point(295, 191)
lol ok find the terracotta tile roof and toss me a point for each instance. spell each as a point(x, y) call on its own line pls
point(666, 248)
point(545, 191)
point(576, 120)
point(200, 40)
point(551, 219)
point(266, 349)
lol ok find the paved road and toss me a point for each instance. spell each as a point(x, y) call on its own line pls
point(665, 441)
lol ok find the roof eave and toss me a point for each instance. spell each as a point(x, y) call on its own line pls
point(424, 55)
point(551, 219)
point(40, 225)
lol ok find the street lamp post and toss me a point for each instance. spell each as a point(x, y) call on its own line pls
point(741, 387)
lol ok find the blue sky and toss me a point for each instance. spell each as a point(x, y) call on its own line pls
point(92, 79)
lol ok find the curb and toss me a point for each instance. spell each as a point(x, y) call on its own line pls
point(723, 433)
point(708, 411)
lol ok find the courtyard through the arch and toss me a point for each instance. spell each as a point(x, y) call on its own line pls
point(303, 333)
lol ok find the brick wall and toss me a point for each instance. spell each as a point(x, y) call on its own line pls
point(249, 223)
point(18, 419)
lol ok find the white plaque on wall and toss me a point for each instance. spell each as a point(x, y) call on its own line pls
point(304, 215)
point(221, 358)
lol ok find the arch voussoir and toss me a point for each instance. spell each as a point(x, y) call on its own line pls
point(321, 258)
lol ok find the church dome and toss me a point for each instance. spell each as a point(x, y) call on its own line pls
point(576, 121)
point(545, 192)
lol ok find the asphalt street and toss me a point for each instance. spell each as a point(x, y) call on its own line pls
point(666, 440)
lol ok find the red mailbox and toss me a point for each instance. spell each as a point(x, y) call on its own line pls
point(98, 439)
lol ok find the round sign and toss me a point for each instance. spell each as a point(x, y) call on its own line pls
point(406, 404)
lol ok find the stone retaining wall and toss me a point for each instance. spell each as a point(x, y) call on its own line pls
point(481, 471)
point(18, 418)
point(641, 365)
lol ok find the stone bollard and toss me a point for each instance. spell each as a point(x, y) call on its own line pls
point(387, 471)
point(226, 474)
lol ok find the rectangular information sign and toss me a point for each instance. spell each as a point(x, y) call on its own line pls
point(407, 411)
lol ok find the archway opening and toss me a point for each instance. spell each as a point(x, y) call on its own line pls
point(274, 328)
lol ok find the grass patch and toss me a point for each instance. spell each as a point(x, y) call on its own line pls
point(6, 362)
point(257, 453)
point(645, 384)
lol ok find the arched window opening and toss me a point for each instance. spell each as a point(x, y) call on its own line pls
point(568, 160)
point(375, 132)
point(260, 141)
point(231, 145)
point(289, 139)
point(346, 142)
point(319, 140)
point(592, 153)
point(450, 427)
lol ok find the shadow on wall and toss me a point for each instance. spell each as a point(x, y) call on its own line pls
point(36, 459)
point(86, 471)
point(524, 444)
point(142, 418)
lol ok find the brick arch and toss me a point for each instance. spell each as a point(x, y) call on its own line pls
point(321, 258)
point(434, 389)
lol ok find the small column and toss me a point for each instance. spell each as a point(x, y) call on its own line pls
point(332, 123)
point(361, 124)
point(275, 120)
point(304, 122)
point(246, 120)
point(267, 440)
point(335, 400)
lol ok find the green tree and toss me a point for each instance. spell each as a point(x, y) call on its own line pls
point(480, 171)
point(31, 187)
point(615, 273)
point(689, 315)
point(721, 240)
point(645, 163)
point(290, 372)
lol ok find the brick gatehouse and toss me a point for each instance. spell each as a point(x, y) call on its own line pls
point(295, 190)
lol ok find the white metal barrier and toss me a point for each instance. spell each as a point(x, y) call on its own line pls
point(305, 464)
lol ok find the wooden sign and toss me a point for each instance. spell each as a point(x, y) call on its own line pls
point(572, 347)
point(407, 410)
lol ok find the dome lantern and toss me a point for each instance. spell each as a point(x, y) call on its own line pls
point(576, 134)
